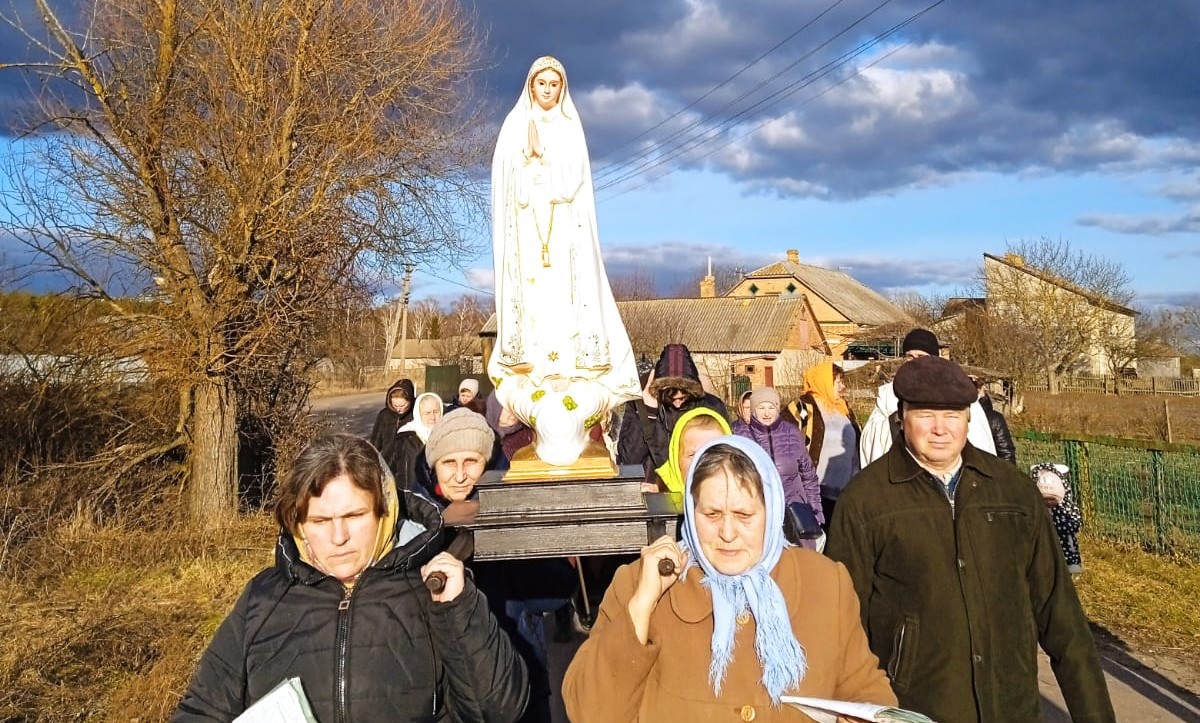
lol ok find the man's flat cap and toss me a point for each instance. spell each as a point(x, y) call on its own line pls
point(932, 382)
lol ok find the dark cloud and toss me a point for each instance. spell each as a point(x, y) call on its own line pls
point(1183, 223)
point(1182, 190)
point(1073, 86)
point(1169, 299)
point(893, 275)
point(22, 268)
point(1005, 87)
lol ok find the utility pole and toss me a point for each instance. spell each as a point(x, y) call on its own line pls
point(400, 320)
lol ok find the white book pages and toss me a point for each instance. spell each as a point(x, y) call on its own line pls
point(828, 711)
point(286, 703)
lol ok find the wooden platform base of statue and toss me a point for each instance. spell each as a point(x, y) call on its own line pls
point(556, 517)
point(594, 463)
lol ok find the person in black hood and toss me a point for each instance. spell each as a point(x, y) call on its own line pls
point(397, 411)
point(1005, 447)
point(345, 609)
point(673, 388)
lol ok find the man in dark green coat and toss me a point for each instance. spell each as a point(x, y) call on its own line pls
point(958, 571)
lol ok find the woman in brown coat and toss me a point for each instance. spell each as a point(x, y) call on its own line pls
point(744, 620)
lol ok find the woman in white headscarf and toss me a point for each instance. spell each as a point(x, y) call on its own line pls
point(555, 313)
point(411, 438)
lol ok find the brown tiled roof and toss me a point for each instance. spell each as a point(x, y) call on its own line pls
point(851, 298)
point(1093, 298)
point(717, 325)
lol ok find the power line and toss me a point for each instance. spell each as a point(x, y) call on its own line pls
point(767, 122)
point(456, 283)
point(658, 145)
point(605, 170)
point(714, 132)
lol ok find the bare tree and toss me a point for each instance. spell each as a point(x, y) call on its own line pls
point(1097, 275)
point(1049, 309)
point(649, 328)
point(636, 285)
point(1188, 340)
point(425, 319)
point(924, 310)
point(241, 163)
point(459, 341)
point(466, 316)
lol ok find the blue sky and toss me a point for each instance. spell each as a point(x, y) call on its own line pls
point(977, 125)
point(973, 125)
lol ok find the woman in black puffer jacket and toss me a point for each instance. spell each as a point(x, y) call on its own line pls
point(345, 609)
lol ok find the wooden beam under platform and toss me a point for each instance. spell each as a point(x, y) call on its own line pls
point(560, 518)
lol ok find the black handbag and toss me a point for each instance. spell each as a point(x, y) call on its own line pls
point(800, 523)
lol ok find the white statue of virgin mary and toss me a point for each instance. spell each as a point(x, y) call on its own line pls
point(559, 339)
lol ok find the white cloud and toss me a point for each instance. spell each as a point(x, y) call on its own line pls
point(481, 278)
point(914, 95)
point(627, 106)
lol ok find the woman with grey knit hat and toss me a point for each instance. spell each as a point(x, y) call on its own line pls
point(518, 591)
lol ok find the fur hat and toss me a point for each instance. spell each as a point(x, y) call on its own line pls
point(676, 370)
point(920, 340)
point(764, 394)
point(931, 382)
point(459, 431)
point(469, 383)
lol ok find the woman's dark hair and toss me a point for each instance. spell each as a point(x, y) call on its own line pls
point(838, 373)
point(736, 464)
point(325, 458)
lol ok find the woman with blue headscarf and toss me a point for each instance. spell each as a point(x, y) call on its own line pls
point(745, 619)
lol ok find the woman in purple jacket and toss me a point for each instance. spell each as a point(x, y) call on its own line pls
point(783, 443)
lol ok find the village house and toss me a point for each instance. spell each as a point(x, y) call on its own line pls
point(846, 310)
point(1080, 331)
point(1015, 288)
point(736, 342)
point(415, 356)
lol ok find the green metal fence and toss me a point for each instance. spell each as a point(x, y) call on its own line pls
point(1130, 491)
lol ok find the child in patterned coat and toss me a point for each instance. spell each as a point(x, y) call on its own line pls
point(1054, 482)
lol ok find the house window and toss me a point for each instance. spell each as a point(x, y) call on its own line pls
point(749, 368)
point(753, 289)
point(791, 288)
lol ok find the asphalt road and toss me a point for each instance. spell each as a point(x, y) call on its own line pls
point(1146, 686)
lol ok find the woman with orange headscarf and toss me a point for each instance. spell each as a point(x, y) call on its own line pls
point(830, 430)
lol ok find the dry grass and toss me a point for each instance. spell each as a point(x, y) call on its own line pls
point(1113, 416)
point(113, 619)
point(1147, 600)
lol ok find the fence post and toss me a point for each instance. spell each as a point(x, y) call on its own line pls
point(1158, 502)
point(1167, 419)
point(1076, 453)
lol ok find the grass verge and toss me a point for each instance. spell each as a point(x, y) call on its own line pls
point(1147, 600)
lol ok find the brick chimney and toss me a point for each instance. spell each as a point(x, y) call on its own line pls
point(793, 256)
point(708, 285)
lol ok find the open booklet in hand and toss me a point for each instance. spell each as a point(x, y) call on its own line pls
point(286, 703)
point(828, 711)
